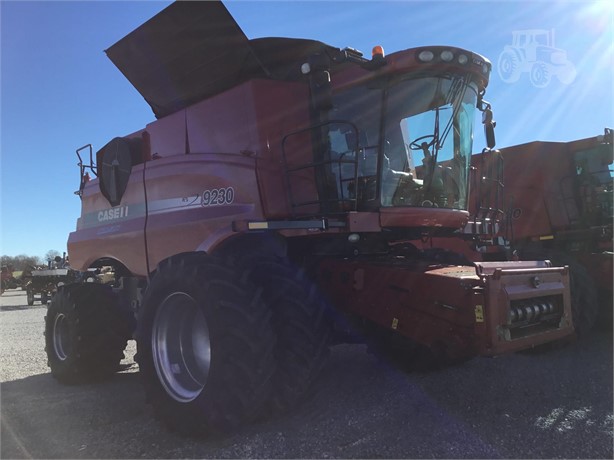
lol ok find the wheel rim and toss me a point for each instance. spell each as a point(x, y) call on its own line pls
point(61, 343)
point(181, 347)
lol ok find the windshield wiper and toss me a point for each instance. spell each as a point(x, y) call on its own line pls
point(453, 98)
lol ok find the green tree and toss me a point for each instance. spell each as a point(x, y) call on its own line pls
point(19, 262)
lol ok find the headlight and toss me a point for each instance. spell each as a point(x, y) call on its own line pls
point(446, 56)
point(426, 56)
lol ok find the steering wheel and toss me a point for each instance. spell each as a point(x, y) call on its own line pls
point(417, 145)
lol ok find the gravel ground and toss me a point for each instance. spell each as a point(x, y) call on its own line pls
point(556, 404)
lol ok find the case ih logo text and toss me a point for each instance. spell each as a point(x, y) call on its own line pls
point(112, 214)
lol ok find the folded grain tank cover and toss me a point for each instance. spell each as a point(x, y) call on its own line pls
point(192, 50)
point(183, 54)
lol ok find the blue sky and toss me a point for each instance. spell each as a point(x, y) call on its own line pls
point(59, 91)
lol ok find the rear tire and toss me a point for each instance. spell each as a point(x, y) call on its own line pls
point(85, 333)
point(205, 346)
point(30, 297)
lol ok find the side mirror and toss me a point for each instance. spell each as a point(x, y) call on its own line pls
point(489, 127)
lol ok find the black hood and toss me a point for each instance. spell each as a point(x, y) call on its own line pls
point(193, 50)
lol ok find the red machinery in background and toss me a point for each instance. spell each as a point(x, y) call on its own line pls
point(554, 201)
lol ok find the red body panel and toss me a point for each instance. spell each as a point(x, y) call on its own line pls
point(532, 178)
point(538, 186)
point(233, 141)
point(417, 217)
point(184, 221)
point(117, 233)
point(542, 187)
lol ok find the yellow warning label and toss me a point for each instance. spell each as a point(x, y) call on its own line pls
point(257, 225)
point(395, 323)
point(479, 314)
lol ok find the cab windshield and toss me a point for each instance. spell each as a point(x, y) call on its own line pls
point(428, 142)
point(418, 156)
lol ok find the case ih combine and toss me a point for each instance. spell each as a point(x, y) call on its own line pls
point(267, 212)
point(559, 209)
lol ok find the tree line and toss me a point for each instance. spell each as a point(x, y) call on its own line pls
point(23, 261)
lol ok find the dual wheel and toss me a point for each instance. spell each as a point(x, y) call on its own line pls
point(85, 333)
point(220, 342)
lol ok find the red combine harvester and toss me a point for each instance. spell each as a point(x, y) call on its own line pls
point(267, 212)
point(559, 208)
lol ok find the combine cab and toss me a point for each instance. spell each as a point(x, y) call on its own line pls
point(268, 212)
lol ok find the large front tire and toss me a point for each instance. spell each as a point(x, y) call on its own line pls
point(205, 345)
point(85, 333)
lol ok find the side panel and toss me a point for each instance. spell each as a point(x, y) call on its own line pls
point(281, 108)
point(194, 199)
point(106, 231)
point(417, 217)
point(529, 178)
point(534, 184)
point(223, 124)
point(168, 135)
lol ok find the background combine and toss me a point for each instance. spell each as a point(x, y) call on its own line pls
point(557, 201)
